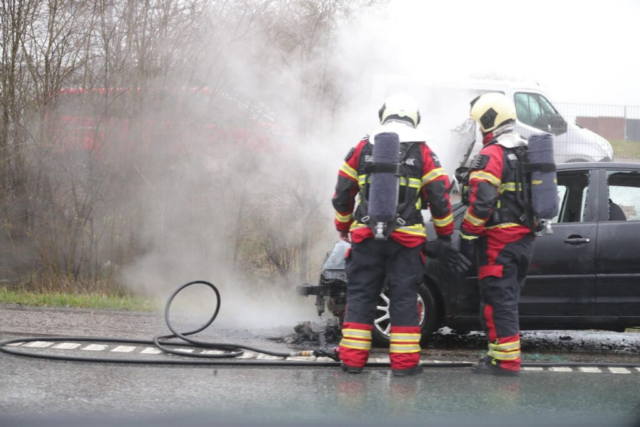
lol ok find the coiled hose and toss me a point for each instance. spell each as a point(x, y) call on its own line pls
point(230, 352)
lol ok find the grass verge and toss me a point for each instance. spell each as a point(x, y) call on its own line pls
point(625, 149)
point(60, 299)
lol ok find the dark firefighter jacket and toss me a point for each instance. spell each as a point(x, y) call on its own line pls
point(427, 179)
point(488, 189)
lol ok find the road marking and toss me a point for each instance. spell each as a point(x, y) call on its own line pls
point(560, 369)
point(302, 359)
point(94, 347)
point(66, 346)
point(15, 344)
point(269, 357)
point(638, 369)
point(533, 368)
point(324, 359)
point(151, 350)
point(213, 352)
point(619, 371)
point(248, 355)
point(590, 370)
point(382, 360)
point(184, 350)
point(123, 349)
point(38, 344)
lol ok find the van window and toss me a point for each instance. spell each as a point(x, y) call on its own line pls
point(534, 110)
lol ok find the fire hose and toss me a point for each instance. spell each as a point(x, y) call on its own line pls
point(226, 354)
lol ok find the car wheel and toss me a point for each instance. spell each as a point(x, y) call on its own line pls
point(427, 315)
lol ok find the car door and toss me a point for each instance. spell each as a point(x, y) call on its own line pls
point(562, 278)
point(617, 265)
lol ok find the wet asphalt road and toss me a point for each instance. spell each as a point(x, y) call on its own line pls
point(30, 387)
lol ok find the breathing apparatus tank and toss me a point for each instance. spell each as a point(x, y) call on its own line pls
point(383, 190)
point(544, 182)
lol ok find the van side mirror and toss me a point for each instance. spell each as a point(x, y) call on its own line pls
point(557, 124)
point(552, 123)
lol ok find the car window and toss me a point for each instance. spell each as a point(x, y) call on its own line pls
point(573, 193)
point(624, 195)
point(534, 110)
point(562, 192)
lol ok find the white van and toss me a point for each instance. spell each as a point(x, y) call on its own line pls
point(444, 108)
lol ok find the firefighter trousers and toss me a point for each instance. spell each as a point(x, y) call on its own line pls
point(369, 264)
point(502, 270)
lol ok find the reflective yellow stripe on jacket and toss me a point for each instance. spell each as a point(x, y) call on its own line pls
point(473, 219)
point(348, 170)
point(435, 173)
point(343, 218)
point(444, 221)
point(485, 176)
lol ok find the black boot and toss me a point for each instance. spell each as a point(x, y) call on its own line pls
point(350, 369)
point(486, 367)
point(407, 372)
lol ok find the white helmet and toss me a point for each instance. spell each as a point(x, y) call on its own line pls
point(491, 110)
point(402, 107)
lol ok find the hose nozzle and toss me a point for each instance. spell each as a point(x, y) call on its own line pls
point(331, 353)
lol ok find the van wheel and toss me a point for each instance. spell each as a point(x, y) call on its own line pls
point(427, 315)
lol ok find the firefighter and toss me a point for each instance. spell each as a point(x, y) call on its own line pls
point(494, 225)
point(399, 258)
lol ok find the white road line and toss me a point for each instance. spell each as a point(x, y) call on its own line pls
point(638, 369)
point(15, 344)
point(324, 359)
point(533, 368)
point(247, 355)
point(269, 357)
point(590, 370)
point(66, 346)
point(185, 350)
point(94, 347)
point(560, 369)
point(151, 350)
point(302, 359)
point(38, 344)
point(619, 371)
point(123, 349)
point(382, 360)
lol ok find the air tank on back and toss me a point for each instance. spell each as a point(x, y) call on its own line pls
point(383, 191)
point(544, 188)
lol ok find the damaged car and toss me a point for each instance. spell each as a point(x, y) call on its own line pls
point(586, 275)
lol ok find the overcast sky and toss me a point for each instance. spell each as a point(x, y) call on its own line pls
point(580, 51)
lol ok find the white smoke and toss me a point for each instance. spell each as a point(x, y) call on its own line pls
point(553, 43)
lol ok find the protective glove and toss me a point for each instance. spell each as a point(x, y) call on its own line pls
point(467, 249)
point(448, 254)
